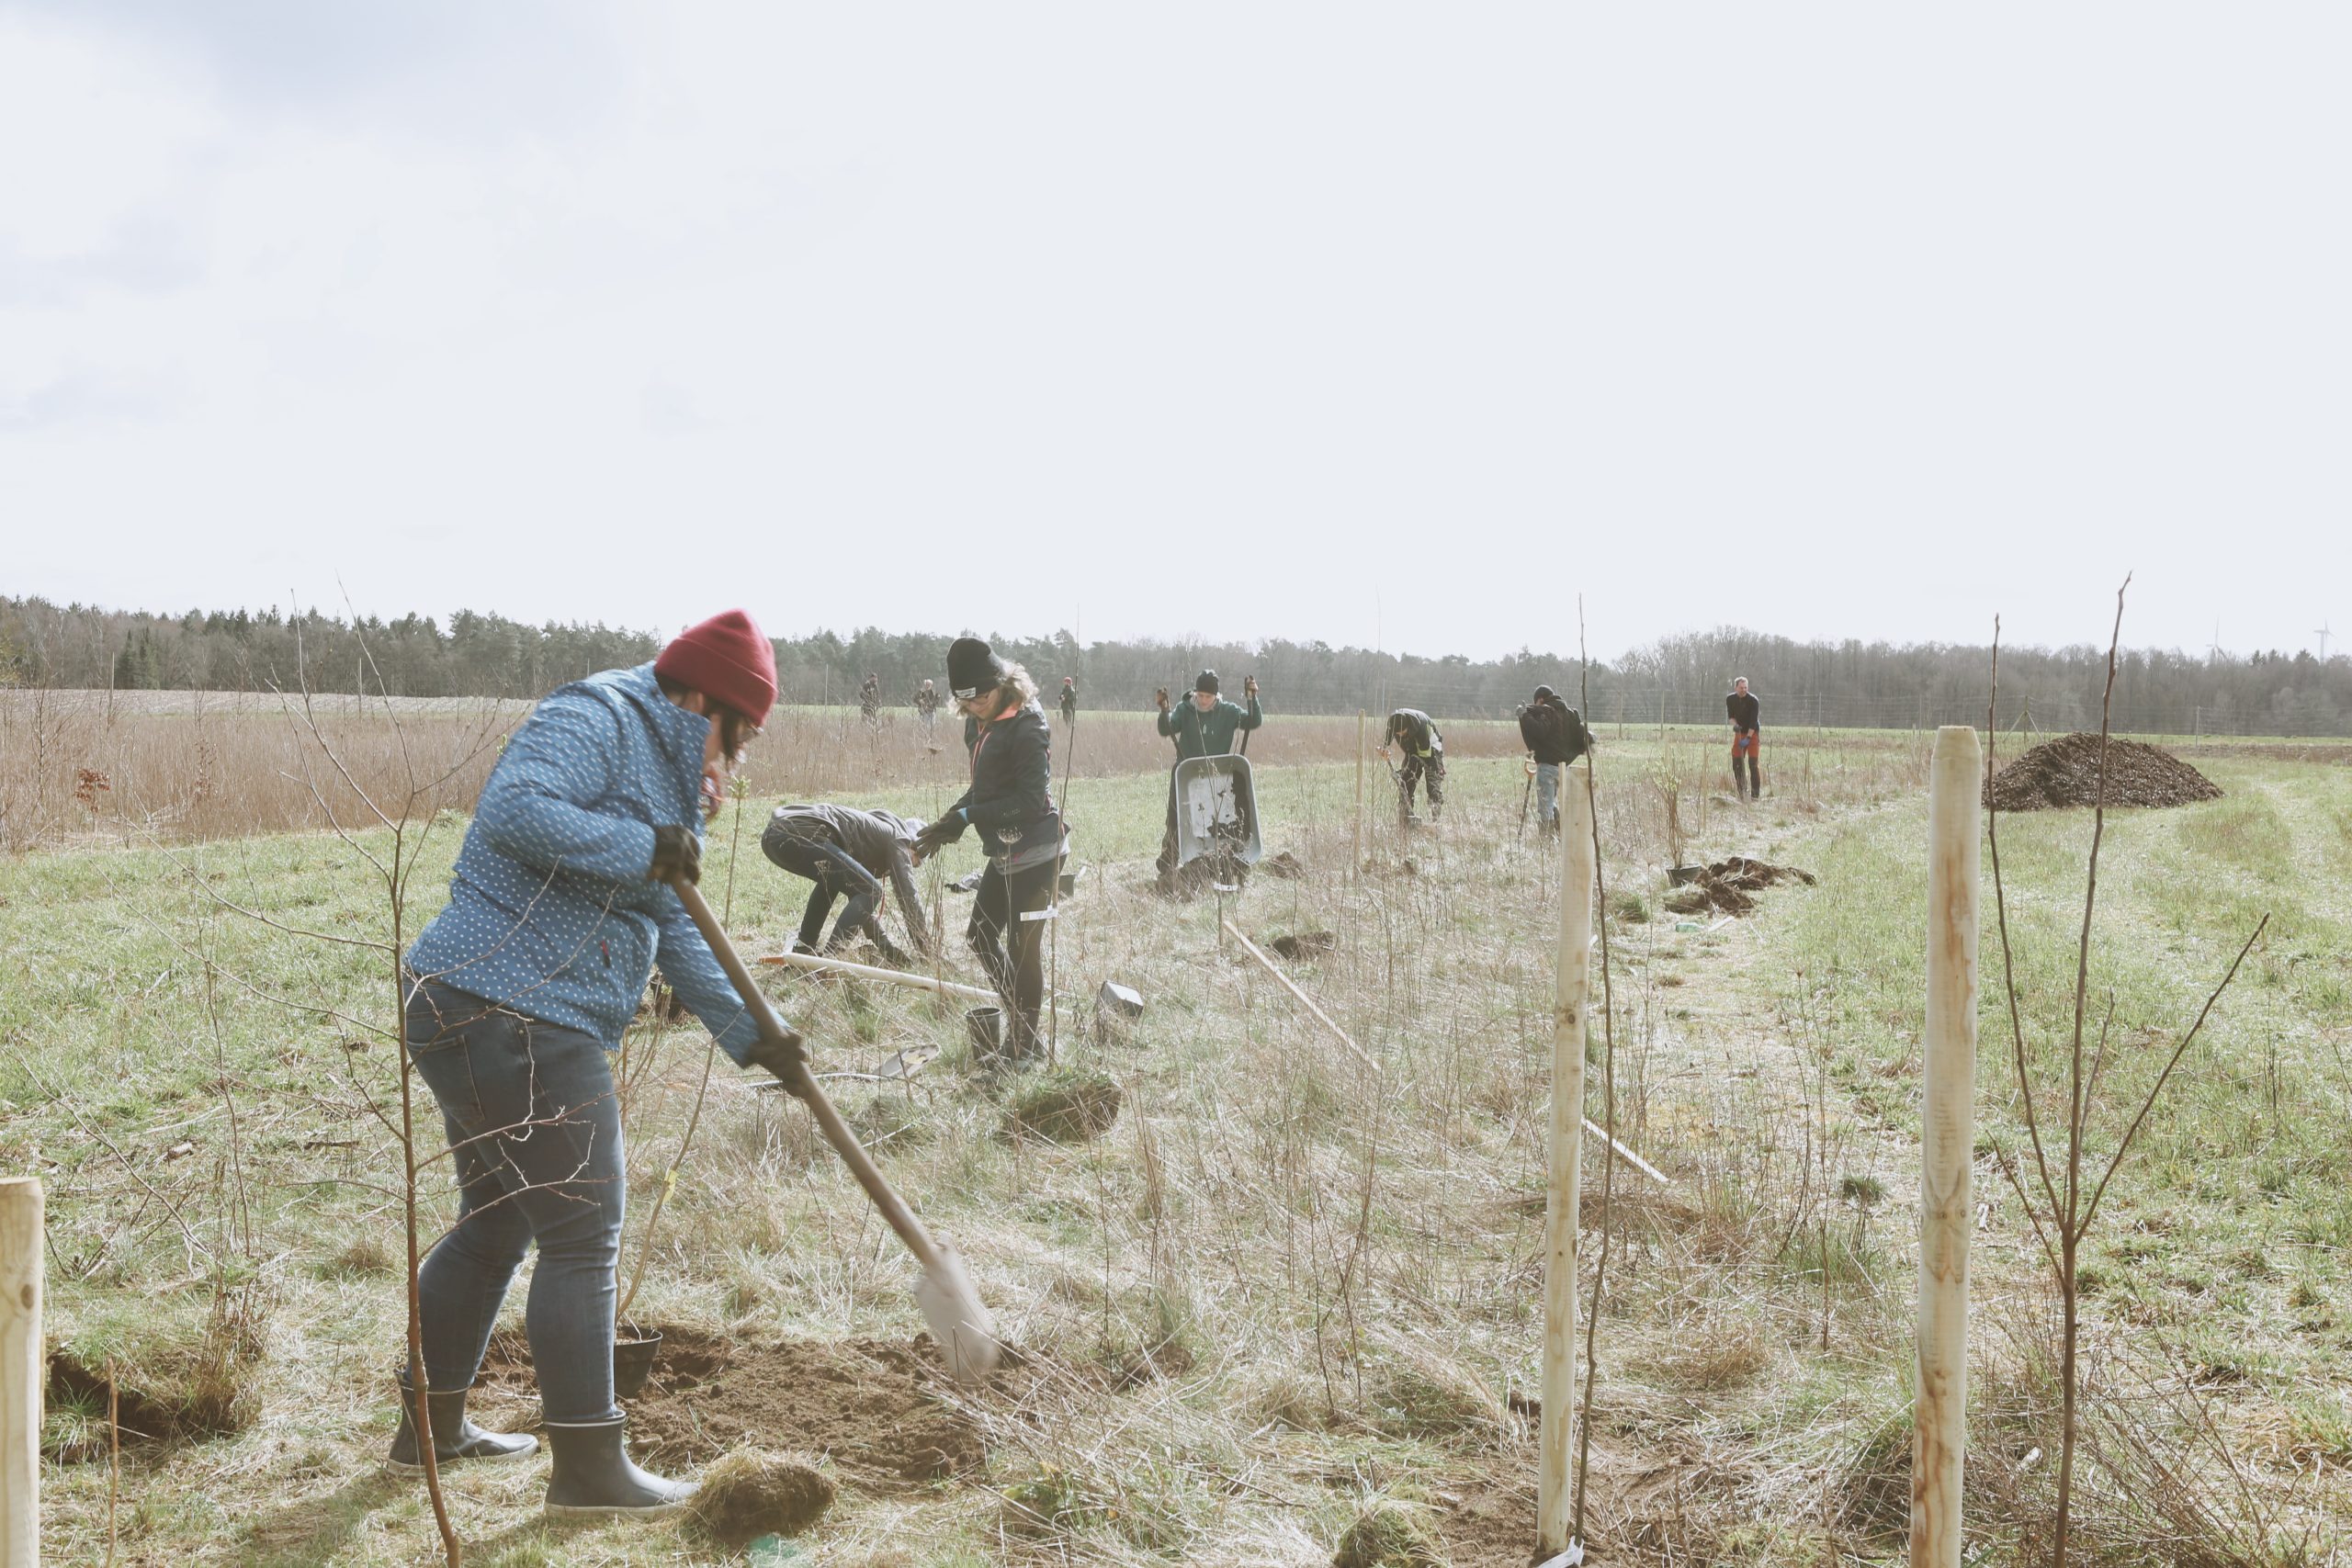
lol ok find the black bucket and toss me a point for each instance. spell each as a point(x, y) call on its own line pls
point(987, 1028)
point(632, 1364)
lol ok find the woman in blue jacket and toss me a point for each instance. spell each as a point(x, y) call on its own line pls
point(559, 909)
point(1011, 801)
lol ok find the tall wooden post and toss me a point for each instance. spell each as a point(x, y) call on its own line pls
point(1947, 1143)
point(1572, 986)
point(1357, 865)
point(22, 1372)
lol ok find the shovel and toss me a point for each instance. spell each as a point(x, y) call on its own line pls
point(959, 1321)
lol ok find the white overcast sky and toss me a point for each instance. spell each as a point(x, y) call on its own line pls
point(1346, 321)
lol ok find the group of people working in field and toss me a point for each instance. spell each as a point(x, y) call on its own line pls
point(564, 900)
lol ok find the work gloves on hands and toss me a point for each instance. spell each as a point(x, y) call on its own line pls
point(1249, 686)
point(677, 853)
point(946, 831)
point(1160, 698)
point(784, 1055)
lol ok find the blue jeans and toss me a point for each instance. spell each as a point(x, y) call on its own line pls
point(535, 1133)
point(1547, 793)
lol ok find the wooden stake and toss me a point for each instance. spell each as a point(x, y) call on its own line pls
point(1573, 985)
point(22, 1372)
point(1357, 865)
point(1947, 1141)
point(870, 972)
point(1306, 1002)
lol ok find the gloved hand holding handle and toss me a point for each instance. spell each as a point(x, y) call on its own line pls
point(678, 855)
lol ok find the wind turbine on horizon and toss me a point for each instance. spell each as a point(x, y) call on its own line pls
point(2323, 634)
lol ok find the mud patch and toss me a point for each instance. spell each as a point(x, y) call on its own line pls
point(1730, 886)
point(1305, 944)
point(864, 1405)
point(1282, 863)
point(2065, 772)
point(1493, 1527)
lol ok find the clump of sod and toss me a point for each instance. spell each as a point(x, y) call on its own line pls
point(753, 1492)
point(1388, 1534)
point(1065, 1108)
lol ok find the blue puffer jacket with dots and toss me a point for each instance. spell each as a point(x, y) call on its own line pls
point(549, 910)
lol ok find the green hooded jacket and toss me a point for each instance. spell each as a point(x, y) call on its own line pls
point(1209, 734)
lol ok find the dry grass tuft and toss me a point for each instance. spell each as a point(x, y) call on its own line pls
point(1388, 1534)
point(752, 1493)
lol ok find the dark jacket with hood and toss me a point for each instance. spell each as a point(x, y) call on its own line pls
point(1012, 797)
point(1554, 732)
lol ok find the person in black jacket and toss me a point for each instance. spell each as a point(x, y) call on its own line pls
point(1415, 733)
point(1069, 701)
point(1555, 736)
point(847, 853)
point(1747, 738)
point(1011, 801)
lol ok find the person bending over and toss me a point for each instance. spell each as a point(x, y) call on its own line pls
point(847, 853)
point(1415, 734)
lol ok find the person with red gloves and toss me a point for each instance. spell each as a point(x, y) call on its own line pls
point(560, 909)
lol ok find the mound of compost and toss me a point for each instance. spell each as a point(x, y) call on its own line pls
point(2065, 772)
point(865, 1405)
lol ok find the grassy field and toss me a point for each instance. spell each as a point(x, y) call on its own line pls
point(1283, 1294)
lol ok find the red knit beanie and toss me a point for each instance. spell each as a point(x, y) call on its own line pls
point(728, 660)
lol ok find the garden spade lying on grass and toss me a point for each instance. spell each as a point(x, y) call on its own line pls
point(958, 1319)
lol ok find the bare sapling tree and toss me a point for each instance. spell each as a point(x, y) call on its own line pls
point(1608, 1093)
point(2063, 1198)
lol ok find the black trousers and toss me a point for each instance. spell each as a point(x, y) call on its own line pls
point(1412, 772)
point(1011, 949)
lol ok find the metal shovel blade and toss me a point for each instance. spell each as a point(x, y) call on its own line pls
point(960, 1324)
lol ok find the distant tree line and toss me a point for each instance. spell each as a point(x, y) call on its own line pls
point(1678, 679)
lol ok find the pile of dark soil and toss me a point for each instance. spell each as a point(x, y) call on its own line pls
point(865, 1405)
point(1282, 863)
point(2065, 772)
point(1727, 886)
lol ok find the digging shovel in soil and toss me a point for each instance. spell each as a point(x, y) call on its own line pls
point(959, 1320)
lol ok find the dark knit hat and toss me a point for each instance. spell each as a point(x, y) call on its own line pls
point(728, 660)
point(1543, 691)
point(1205, 682)
point(971, 665)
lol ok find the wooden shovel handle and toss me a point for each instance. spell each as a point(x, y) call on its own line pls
point(829, 1120)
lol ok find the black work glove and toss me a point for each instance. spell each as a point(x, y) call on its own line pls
point(1160, 698)
point(677, 853)
point(946, 831)
point(784, 1055)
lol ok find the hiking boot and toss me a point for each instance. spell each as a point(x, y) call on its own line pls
point(593, 1477)
point(454, 1437)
